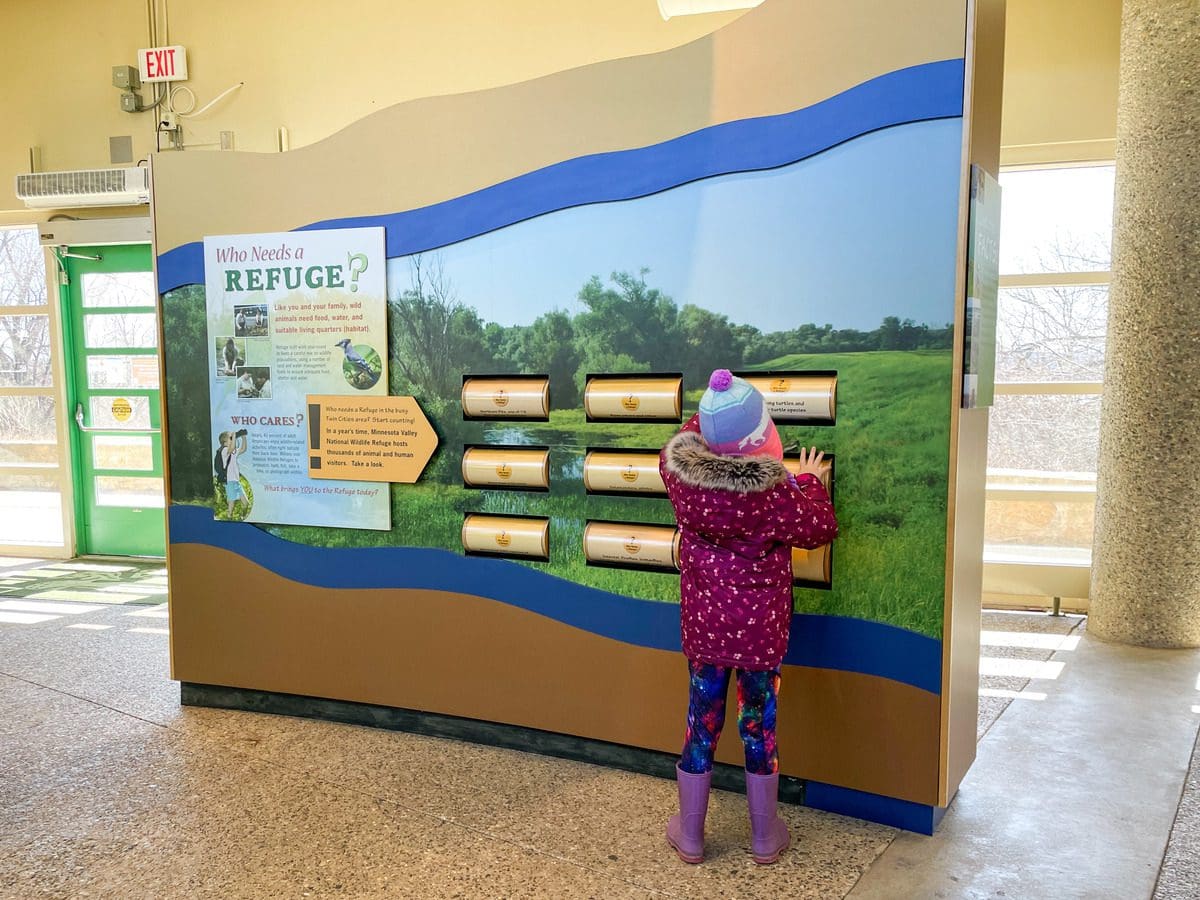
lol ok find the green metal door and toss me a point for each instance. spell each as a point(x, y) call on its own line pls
point(111, 335)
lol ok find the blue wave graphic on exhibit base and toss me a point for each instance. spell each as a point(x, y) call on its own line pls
point(918, 93)
point(827, 642)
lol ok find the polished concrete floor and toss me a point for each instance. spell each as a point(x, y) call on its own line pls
point(108, 788)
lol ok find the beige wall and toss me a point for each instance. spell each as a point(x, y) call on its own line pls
point(314, 72)
point(1060, 80)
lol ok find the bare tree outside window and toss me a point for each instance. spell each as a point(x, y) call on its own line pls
point(1056, 332)
point(22, 268)
point(120, 329)
point(1051, 333)
point(25, 351)
point(118, 289)
point(1056, 229)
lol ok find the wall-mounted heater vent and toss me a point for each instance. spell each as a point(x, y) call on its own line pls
point(85, 187)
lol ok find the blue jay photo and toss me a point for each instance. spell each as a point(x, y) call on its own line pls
point(352, 355)
point(360, 373)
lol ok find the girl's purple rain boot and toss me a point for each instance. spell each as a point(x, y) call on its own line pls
point(768, 833)
point(685, 831)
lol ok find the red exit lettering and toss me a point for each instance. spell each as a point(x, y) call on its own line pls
point(163, 63)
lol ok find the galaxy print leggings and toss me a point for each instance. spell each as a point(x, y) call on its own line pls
point(756, 693)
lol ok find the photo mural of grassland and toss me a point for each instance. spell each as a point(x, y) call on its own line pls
point(890, 440)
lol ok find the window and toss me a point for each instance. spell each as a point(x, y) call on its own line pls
point(1043, 442)
point(31, 465)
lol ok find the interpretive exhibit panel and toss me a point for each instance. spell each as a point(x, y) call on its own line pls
point(554, 307)
point(291, 314)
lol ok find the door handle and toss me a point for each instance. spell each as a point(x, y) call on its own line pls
point(90, 428)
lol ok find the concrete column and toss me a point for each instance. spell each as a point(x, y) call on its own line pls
point(1146, 554)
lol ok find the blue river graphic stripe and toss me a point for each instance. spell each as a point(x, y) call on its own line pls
point(829, 642)
point(918, 93)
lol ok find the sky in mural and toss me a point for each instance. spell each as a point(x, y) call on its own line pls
point(859, 232)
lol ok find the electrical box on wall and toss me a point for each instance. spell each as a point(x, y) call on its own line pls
point(125, 78)
point(162, 64)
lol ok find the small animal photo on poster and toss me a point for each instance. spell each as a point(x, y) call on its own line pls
point(361, 365)
point(230, 352)
point(254, 382)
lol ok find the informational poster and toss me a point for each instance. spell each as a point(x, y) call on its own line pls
point(983, 286)
point(291, 314)
point(372, 438)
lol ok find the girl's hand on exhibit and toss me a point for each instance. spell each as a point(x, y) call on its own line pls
point(812, 463)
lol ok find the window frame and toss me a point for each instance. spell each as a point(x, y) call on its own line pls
point(1032, 576)
point(60, 471)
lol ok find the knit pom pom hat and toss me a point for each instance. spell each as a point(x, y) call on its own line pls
point(734, 419)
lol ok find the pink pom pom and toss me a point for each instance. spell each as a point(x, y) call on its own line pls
point(720, 380)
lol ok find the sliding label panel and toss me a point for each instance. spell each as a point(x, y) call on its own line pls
point(812, 567)
point(519, 537)
point(631, 545)
point(526, 469)
point(797, 396)
point(649, 398)
point(506, 397)
point(623, 472)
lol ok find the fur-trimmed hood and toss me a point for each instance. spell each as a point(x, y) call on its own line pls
point(688, 458)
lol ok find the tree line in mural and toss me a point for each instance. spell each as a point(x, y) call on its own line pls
point(624, 326)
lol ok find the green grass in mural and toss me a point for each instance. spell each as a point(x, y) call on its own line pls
point(890, 444)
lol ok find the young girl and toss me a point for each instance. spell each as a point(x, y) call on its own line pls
point(740, 513)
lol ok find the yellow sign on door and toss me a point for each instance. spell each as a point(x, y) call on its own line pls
point(121, 409)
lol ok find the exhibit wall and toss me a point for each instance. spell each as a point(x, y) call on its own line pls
point(566, 260)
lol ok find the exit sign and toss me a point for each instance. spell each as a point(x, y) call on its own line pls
point(163, 64)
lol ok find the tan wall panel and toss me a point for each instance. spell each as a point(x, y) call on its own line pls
point(314, 73)
point(1060, 80)
point(875, 735)
point(960, 664)
point(55, 88)
point(236, 624)
point(472, 141)
point(968, 452)
point(320, 74)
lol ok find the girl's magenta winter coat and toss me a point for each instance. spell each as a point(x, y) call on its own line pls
point(739, 517)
